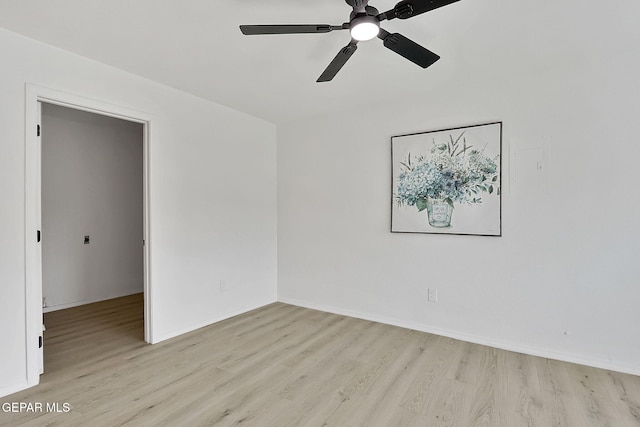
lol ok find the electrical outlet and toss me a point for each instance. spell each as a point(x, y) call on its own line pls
point(433, 295)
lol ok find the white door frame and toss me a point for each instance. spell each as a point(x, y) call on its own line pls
point(33, 250)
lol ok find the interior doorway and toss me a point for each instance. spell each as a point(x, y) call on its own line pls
point(71, 107)
point(92, 207)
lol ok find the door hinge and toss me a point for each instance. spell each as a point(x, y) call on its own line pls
point(38, 130)
point(38, 236)
point(40, 341)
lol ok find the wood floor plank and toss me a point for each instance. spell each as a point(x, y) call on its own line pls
point(443, 355)
point(519, 399)
point(627, 390)
point(386, 392)
point(287, 366)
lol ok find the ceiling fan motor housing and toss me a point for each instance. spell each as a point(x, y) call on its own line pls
point(369, 11)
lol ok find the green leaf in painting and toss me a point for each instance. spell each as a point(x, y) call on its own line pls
point(421, 204)
point(449, 202)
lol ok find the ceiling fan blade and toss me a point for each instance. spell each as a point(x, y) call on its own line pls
point(409, 8)
point(409, 49)
point(338, 62)
point(252, 30)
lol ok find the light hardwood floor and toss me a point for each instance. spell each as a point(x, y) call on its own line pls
point(283, 365)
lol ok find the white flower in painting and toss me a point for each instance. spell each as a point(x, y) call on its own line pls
point(454, 173)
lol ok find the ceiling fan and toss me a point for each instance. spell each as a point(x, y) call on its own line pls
point(364, 24)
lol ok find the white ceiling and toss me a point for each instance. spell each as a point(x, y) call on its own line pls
point(196, 46)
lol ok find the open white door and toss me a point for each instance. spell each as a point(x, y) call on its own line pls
point(39, 226)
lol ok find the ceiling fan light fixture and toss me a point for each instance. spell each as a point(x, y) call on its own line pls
point(364, 28)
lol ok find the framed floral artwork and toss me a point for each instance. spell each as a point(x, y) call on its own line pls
point(448, 181)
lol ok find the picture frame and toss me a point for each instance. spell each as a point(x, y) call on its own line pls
point(448, 181)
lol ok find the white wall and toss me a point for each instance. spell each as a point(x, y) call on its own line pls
point(92, 168)
point(212, 196)
point(562, 282)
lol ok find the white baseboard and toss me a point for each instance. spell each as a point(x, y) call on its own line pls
point(90, 300)
point(532, 351)
point(15, 388)
point(219, 318)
